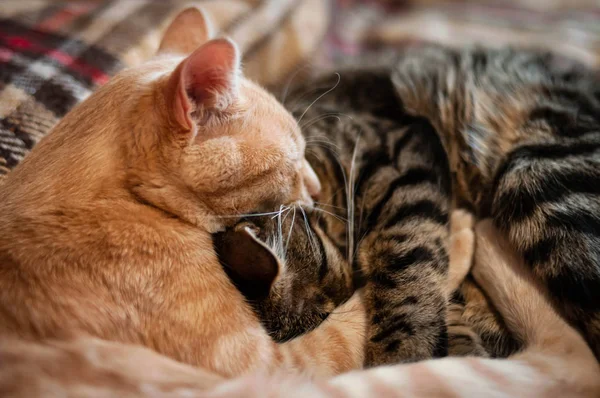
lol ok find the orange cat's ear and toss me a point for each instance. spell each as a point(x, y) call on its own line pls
point(248, 262)
point(189, 30)
point(206, 81)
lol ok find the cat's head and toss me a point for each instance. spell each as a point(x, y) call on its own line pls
point(187, 133)
point(288, 269)
point(218, 135)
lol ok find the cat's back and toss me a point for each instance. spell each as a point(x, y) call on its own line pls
point(107, 269)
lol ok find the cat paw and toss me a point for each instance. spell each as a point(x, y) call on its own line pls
point(462, 246)
point(461, 219)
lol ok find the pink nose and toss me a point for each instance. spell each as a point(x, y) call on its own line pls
point(315, 194)
point(311, 181)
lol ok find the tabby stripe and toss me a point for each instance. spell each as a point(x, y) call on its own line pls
point(380, 315)
point(380, 304)
point(392, 346)
point(418, 255)
point(373, 161)
point(557, 119)
point(517, 204)
point(577, 99)
point(580, 290)
point(479, 59)
point(548, 151)
point(382, 279)
point(462, 339)
point(402, 142)
point(409, 300)
point(441, 348)
point(411, 177)
point(395, 324)
point(422, 209)
point(540, 251)
point(579, 220)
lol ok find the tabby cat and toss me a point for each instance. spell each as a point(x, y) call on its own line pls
point(522, 129)
point(522, 132)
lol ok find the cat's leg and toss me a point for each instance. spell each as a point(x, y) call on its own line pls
point(552, 346)
point(90, 367)
point(462, 339)
point(462, 246)
point(404, 249)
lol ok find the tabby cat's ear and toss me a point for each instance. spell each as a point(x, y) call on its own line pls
point(250, 264)
point(189, 30)
point(205, 82)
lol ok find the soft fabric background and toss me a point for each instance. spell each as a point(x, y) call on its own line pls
point(53, 54)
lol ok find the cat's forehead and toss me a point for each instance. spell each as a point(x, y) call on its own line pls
point(155, 69)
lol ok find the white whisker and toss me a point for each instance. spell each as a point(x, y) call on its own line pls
point(301, 96)
point(288, 84)
point(321, 96)
point(251, 215)
point(350, 204)
point(309, 232)
point(287, 242)
point(328, 205)
point(321, 144)
point(331, 214)
point(279, 238)
point(323, 117)
point(282, 209)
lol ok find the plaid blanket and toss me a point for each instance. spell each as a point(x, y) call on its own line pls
point(53, 54)
point(360, 27)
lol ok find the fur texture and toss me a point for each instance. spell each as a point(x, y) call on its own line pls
point(521, 132)
point(107, 223)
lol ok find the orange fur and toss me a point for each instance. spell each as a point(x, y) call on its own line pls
point(107, 223)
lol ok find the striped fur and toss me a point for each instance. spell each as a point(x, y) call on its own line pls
point(387, 173)
point(523, 132)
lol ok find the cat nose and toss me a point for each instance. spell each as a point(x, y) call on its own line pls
point(311, 181)
point(315, 195)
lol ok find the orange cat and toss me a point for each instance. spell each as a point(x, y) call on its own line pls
point(106, 225)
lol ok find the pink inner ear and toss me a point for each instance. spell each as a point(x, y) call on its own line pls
point(207, 80)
